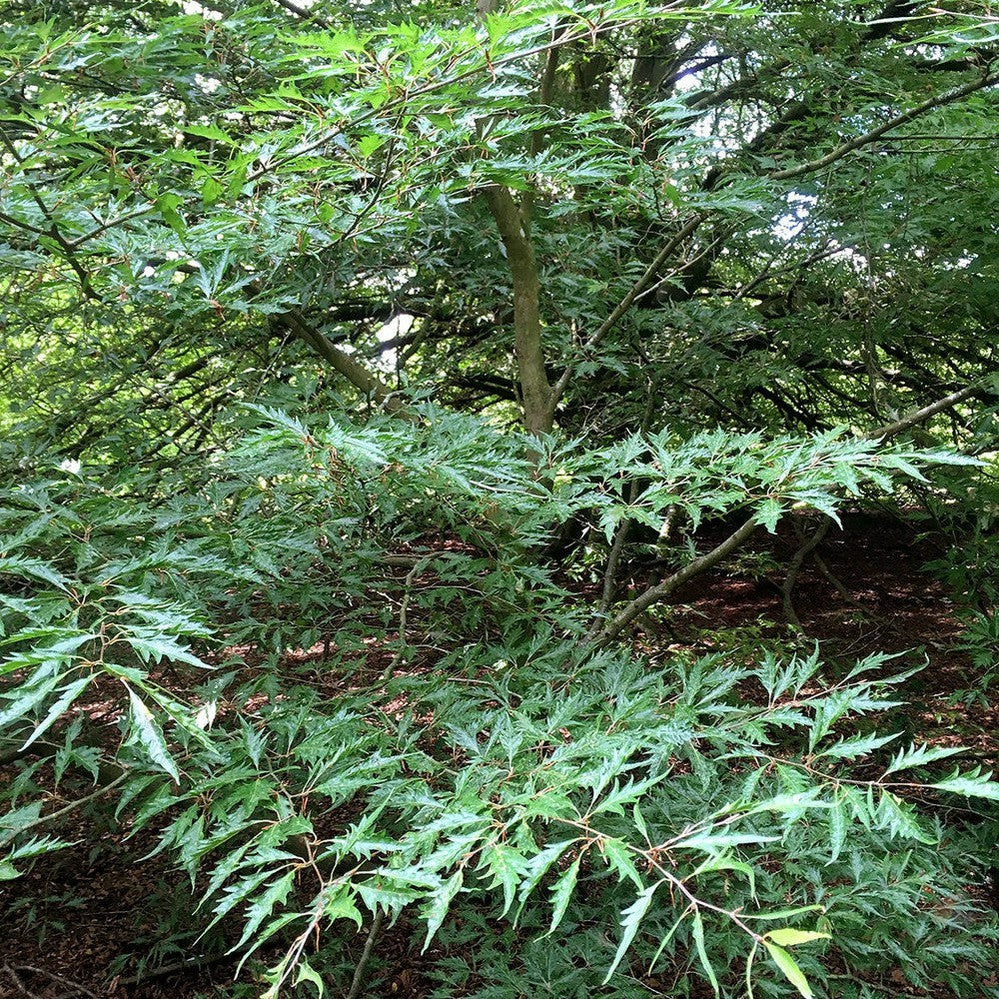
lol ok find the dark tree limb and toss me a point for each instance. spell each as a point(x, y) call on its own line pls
point(859, 141)
point(343, 363)
point(807, 547)
point(305, 15)
point(362, 964)
point(650, 274)
point(668, 586)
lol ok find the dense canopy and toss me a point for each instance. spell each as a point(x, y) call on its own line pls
point(351, 353)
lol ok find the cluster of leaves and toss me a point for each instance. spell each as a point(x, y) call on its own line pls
point(182, 188)
point(513, 769)
point(328, 664)
point(719, 473)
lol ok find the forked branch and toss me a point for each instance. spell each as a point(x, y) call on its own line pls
point(668, 586)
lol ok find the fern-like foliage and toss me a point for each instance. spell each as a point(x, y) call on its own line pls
point(460, 750)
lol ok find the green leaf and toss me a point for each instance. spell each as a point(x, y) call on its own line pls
point(790, 968)
point(393, 899)
point(168, 204)
point(899, 818)
point(769, 513)
point(562, 893)
point(69, 694)
point(666, 939)
point(211, 190)
point(716, 842)
point(261, 909)
point(782, 913)
point(506, 865)
point(341, 905)
point(26, 698)
point(210, 132)
point(618, 855)
point(639, 821)
point(973, 784)
point(155, 648)
point(697, 931)
point(535, 869)
point(150, 735)
point(16, 565)
point(723, 862)
point(838, 826)
point(857, 745)
point(917, 756)
point(633, 916)
point(788, 937)
point(367, 144)
point(306, 973)
point(436, 908)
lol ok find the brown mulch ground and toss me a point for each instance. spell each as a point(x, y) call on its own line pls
point(77, 911)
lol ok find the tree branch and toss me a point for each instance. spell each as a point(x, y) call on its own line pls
point(343, 363)
point(626, 303)
point(305, 15)
point(668, 586)
point(660, 591)
point(867, 138)
point(919, 415)
point(362, 964)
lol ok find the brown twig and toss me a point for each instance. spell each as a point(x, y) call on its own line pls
point(73, 805)
point(369, 946)
point(403, 608)
point(32, 970)
point(918, 416)
point(807, 547)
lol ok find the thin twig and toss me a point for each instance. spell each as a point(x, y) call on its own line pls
point(626, 303)
point(69, 983)
point(836, 583)
point(807, 547)
point(73, 805)
point(54, 232)
point(163, 970)
point(624, 527)
point(610, 572)
point(403, 608)
point(306, 15)
point(369, 946)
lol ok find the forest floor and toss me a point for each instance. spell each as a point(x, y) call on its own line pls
point(66, 922)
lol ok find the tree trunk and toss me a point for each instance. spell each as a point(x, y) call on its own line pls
point(536, 393)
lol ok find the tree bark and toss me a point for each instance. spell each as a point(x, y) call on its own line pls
point(537, 397)
point(343, 363)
